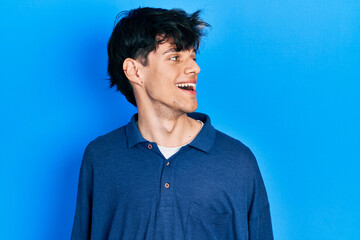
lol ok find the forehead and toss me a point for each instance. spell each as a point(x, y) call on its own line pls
point(168, 46)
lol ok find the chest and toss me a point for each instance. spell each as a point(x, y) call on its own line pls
point(146, 179)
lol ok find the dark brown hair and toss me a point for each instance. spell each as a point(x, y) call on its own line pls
point(137, 33)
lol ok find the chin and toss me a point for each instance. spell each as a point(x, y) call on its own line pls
point(191, 109)
point(185, 106)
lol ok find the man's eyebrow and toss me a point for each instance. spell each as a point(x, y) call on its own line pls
point(170, 50)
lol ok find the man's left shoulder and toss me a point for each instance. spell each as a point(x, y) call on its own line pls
point(231, 148)
point(227, 142)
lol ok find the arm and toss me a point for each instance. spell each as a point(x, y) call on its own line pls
point(82, 221)
point(260, 227)
point(259, 220)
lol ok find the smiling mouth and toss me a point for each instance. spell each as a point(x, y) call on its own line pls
point(187, 86)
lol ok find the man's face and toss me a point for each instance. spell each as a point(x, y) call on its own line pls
point(170, 79)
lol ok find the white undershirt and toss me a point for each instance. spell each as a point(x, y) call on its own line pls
point(169, 151)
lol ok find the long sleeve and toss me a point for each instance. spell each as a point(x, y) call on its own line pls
point(82, 221)
point(259, 219)
point(260, 226)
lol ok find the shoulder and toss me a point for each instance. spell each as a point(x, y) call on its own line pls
point(231, 146)
point(236, 153)
point(241, 162)
point(107, 143)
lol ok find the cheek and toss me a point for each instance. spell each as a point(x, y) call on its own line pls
point(161, 81)
point(158, 86)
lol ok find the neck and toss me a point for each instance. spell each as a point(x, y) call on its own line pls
point(168, 130)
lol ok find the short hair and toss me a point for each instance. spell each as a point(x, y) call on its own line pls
point(140, 31)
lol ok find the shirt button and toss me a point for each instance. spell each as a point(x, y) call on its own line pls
point(167, 185)
point(149, 146)
point(167, 164)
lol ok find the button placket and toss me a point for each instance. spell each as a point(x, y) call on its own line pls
point(166, 191)
point(166, 178)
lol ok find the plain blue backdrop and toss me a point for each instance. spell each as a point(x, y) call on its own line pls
point(281, 76)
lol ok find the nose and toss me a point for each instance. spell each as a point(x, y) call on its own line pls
point(192, 67)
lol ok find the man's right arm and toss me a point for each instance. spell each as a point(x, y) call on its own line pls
point(82, 221)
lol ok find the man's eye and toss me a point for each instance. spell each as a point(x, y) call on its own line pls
point(175, 58)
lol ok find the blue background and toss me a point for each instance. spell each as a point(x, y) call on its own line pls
point(282, 76)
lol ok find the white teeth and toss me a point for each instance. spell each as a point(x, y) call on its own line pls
point(186, 84)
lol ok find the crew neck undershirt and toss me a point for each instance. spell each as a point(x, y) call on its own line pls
point(169, 151)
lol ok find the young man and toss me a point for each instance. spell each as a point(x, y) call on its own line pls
point(168, 174)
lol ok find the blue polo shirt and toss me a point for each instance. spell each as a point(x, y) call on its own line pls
point(210, 189)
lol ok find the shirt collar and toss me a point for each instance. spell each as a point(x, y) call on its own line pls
point(203, 141)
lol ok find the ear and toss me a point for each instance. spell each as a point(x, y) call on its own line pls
point(131, 69)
